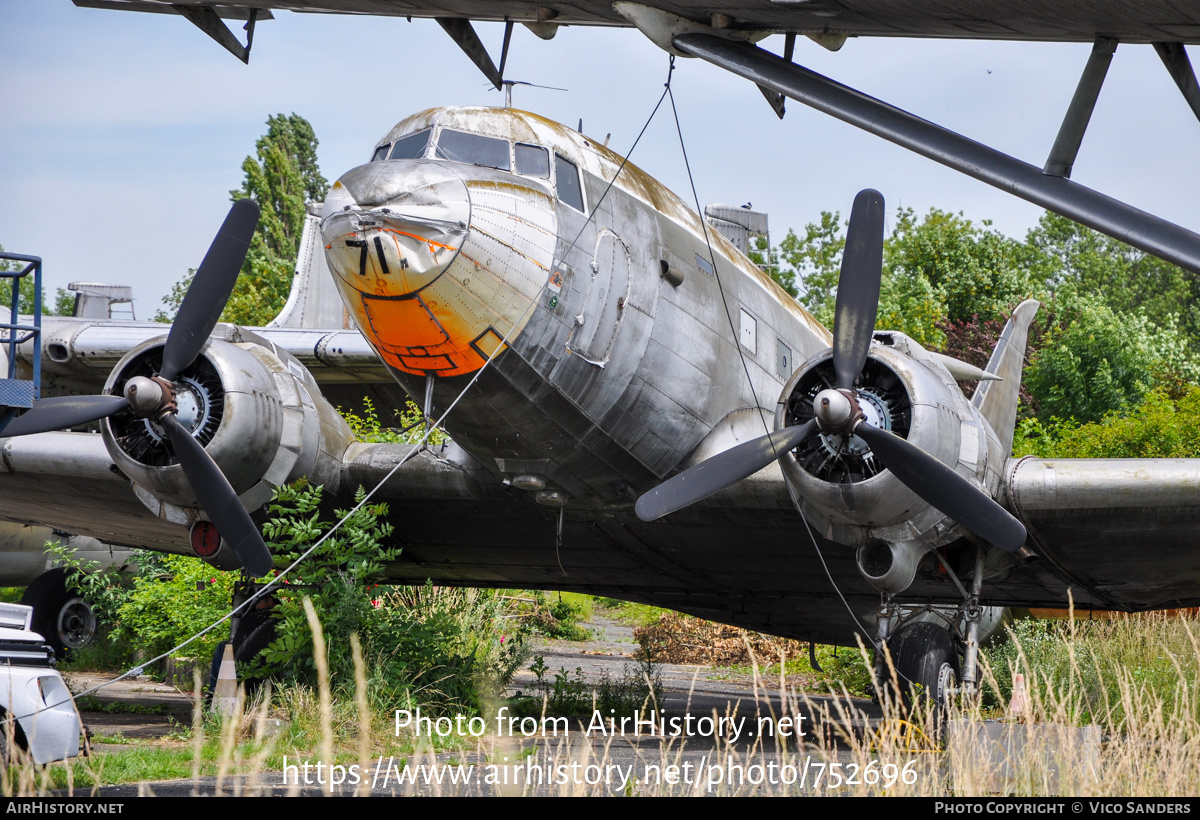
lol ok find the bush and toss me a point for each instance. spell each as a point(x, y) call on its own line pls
point(442, 648)
point(1159, 427)
point(172, 597)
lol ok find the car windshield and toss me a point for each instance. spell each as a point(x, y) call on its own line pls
point(458, 146)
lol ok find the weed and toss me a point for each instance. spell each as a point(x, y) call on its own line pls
point(568, 693)
point(90, 703)
point(559, 618)
point(410, 427)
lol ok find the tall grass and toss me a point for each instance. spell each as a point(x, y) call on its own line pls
point(1135, 679)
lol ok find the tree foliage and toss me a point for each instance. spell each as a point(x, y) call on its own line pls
point(1159, 427)
point(282, 177)
point(438, 647)
point(1063, 253)
point(1094, 361)
point(1115, 322)
point(940, 267)
point(172, 597)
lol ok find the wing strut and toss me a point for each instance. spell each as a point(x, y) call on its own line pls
point(205, 19)
point(774, 98)
point(463, 34)
point(1180, 67)
point(1075, 122)
point(1131, 225)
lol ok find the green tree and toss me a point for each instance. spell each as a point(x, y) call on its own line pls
point(937, 268)
point(283, 177)
point(978, 270)
point(815, 260)
point(761, 255)
point(1065, 253)
point(1159, 427)
point(1094, 361)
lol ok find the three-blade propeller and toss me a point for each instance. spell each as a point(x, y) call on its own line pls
point(197, 317)
point(837, 411)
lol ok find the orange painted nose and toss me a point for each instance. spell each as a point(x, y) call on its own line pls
point(438, 262)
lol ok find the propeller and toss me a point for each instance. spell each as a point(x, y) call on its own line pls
point(154, 398)
point(838, 412)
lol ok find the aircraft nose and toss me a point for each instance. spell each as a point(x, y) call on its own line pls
point(438, 262)
point(391, 228)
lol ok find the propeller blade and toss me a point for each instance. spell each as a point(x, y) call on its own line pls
point(945, 489)
point(858, 287)
point(720, 471)
point(62, 413)
point(219, 500)
point(210, 289)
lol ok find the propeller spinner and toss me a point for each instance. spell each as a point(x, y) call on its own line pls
point(154, 398)
point(837, 411)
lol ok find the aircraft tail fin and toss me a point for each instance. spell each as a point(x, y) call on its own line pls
point(314, 301)
point(997, 400)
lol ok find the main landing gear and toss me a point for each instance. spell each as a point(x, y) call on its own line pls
point(60, 614)
point(934, 651)
point(250, 633)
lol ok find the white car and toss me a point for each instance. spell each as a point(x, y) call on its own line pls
point(33, 692)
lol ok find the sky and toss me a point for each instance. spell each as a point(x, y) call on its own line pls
point(122, 134)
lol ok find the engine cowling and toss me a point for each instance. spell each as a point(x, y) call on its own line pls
point(845, 492)
point(256, 410)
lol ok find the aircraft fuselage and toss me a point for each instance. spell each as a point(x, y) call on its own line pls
point(621, 356)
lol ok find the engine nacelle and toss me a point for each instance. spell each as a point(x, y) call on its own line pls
point(846, 494)
point(257, 411)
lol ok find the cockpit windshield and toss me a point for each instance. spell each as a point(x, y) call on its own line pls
point(459, 146)
point(411, 147)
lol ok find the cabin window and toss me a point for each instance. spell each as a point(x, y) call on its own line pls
point(533, 161)
point(705, 265)
point(783, 360)
point(749, 335)
point(411, 147)
point(459, 146)
point(570, 192)
point(381, 152)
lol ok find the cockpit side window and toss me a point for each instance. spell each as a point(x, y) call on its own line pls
point(533, 161)
point(458, 146)
point(569, 190)
point(411, 147)
point(381, 152)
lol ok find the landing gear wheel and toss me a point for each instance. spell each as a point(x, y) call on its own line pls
point(927, 665)
point(255, 633)
point(60, 615)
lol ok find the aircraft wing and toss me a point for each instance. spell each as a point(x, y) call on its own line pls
point(79, 354)
point(1109, 534)
point(1051, 20)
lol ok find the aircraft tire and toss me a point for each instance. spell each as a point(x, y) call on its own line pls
point(255, 633)
point(60, 613)
point(927, 665)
